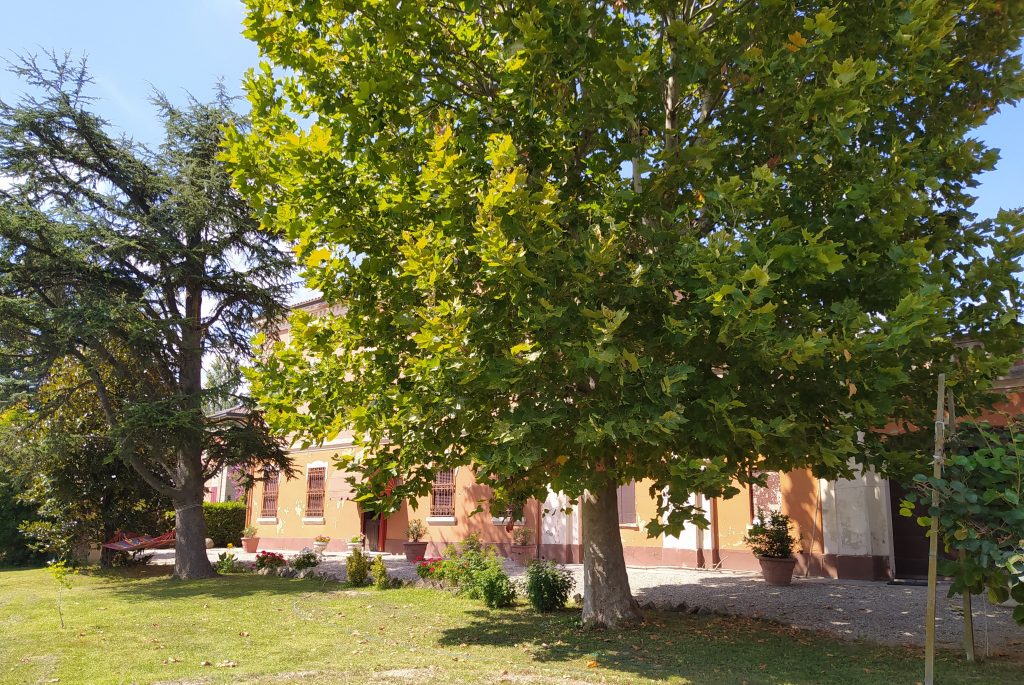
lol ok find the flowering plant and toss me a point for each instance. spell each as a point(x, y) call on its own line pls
point(322, 538)
point(267, 559)
point(306, 558)
point(428, 567)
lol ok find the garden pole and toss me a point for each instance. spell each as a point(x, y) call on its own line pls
point(968, 613)
point(933, 538)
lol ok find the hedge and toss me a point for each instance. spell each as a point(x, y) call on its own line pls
point(224, 522)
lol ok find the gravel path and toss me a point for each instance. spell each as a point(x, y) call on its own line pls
point(880, 612)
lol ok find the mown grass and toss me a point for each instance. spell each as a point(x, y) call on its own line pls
point(254, 629)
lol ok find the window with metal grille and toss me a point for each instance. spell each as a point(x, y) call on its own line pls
point(316, 486)
point(627, 504)
point(442, 495)
point(268, 508)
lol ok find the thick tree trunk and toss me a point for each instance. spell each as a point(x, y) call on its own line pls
point(607, 599)
point(190, 560)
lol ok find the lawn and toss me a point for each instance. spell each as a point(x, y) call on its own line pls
point(254, 629)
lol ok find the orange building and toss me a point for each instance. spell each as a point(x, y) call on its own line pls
point(845, 528)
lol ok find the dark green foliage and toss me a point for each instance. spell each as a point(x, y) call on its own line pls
point(224, 522)
point(15, 547)
point(138, 264)
point(379, 573)
point(80, 491)
point(769, 536)
point(980, 512)
point(496, 588)
point(357, 567)
point(548, 585)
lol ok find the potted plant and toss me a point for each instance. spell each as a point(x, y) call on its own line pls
point(523, 549)
point(320, 543)
point(356, 542)
point(772, 544)
point(249, 539)
point(415, 548)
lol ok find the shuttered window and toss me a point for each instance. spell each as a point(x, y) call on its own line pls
point(268, 508)
point(627, 504)
point(442, 495)
point(316, 488)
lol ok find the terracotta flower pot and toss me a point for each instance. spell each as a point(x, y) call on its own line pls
point(777, 571)
point(250, 544)
point(522, 554)
point(414, 551)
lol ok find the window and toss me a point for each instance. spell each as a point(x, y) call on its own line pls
point(627, 504)
point(268, 509)
point(442, 496)
point(316, 486)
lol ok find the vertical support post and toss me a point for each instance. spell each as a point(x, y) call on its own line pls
point(933, 537)
point(968, 614)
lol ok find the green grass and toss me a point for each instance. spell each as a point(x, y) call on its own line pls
point(153, 629)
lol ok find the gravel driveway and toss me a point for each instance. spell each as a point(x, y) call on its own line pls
point(876, 611)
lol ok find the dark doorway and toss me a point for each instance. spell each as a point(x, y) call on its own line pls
point(909, 539)
point(371, 529)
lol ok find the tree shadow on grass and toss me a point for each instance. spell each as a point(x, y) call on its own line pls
point(156, 583)
point(709, 650)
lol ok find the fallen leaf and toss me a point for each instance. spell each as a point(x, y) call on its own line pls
point(244, 633)
point(591, 664)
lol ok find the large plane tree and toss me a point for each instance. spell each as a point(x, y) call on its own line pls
point(134, 264)
point(578, 243)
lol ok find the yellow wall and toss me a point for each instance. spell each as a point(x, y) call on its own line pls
point(341, 518)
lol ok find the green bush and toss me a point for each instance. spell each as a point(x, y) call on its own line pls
point(462, 567)
point(548, 585)
point(224, 522)
point(496, 588)
point(357, 567)
point(379, 572)
point(228, 563)
point(769, 536)
point(307, 558)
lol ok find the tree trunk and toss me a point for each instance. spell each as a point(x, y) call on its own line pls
point(190, 560)
point(607, 599)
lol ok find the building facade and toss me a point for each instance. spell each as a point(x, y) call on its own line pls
point(846, 529)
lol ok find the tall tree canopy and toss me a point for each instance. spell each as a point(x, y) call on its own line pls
point(135, 264)
point(581, 243)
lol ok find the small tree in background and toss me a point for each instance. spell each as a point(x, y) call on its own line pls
point(980, 513)
point(584, 243)
point(78, 490)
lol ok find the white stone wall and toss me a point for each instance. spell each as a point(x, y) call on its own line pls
point(855, 515)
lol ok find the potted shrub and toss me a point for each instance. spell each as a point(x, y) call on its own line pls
point(249, 539)
point(772, 544)
point(416, 547)
point(356, 543)
point(523, 549)
point(320, 543)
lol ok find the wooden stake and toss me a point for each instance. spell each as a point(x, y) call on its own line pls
point(933, 539)
point(968, 613)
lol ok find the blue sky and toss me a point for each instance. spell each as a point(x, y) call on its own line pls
point(185, 45)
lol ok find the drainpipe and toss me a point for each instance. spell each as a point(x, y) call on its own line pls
point(716, 556)
point(698, 501)
point(539, 529)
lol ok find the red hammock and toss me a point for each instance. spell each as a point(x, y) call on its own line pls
point(131, 542)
